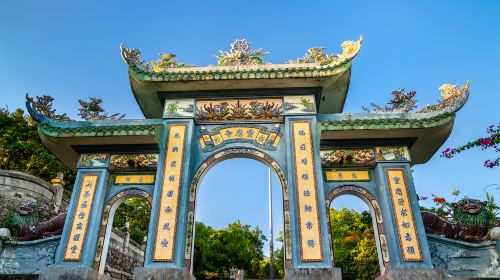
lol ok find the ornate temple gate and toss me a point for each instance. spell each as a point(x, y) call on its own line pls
point(287, 116)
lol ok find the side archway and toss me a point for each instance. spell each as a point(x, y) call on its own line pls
point(376, 213)
point(205, 167)
point(107, 224)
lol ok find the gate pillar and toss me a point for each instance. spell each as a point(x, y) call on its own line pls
point(164, 256)
point(407, 243)
point(75, 255)
point(309, 222)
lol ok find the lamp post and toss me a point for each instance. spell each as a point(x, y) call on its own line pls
point(271, 249)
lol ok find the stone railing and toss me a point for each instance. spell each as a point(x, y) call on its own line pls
point(26, 259)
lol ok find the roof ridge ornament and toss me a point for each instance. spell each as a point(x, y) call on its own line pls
point(41, 109)
point(241, 53)
point(165, 62)
point(452, 100)
point(317, 55)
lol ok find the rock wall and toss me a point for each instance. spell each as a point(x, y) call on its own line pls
point(16, 187)
point(123, 258)
point(464, 259)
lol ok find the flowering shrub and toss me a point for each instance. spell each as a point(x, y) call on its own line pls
point(489, 142)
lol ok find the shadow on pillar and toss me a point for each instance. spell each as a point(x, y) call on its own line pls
point(313, 273)
point(412, 274)
point(150, 273)
point(69, 273)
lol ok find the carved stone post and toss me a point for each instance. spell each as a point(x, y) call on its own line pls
point(59, 183)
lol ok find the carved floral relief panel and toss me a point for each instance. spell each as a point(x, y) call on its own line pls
point(120, 162)
point(93, 160)
point(347, 158)
point(268, 109)
point(179, 108)
point(299, 105)
point(307, 200)
point(392, 153)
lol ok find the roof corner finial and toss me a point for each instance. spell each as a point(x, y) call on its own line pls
point(41, 109)
point(452, 99)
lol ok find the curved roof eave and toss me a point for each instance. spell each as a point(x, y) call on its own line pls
point(64, 138)
point(428, 131)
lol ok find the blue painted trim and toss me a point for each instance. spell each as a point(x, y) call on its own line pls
point(115, 189)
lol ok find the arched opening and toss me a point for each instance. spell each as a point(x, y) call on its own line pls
point(125, 227)
point(357, 234)
point(231, 219)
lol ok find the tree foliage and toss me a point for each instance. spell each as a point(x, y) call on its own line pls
point(235, 246)
point(22, 150)
point(135, 211)
point(354, 247)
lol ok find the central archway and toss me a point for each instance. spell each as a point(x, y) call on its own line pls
point(206, 166)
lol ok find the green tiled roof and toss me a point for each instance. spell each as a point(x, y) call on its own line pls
point(384, 121)
point(301, 68)
point(49, 129)
point(273, 71)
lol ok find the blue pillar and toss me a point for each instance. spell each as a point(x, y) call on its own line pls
point(309, 221)
point(75, 254)
point(165, 247)
point(407, 243)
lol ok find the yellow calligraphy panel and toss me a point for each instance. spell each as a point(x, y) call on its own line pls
point(169, 199)
point(347, 175)
point(259, 136)
point(129, 179)
point(238, 133)
point(81, 217)
point(309, 228)
point(408, 237)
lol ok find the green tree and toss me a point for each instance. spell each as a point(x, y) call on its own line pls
point(22, 150)
point(237, 245)
point(137, 212)
point(279, 258)
point(354, 247)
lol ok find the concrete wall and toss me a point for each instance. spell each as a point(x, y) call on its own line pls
point(16, 187)
point(464, 259)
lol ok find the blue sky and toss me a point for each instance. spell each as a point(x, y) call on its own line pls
point(71, 50)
